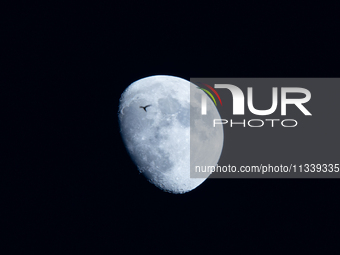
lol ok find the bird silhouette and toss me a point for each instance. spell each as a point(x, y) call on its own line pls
point(144, 107)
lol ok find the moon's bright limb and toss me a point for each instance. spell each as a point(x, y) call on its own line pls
point(158, 138)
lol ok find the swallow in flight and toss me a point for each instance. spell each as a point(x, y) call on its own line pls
point(144, 107)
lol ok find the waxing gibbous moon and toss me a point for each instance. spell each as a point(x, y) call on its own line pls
point(158, 138)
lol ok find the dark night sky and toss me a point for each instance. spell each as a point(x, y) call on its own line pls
point(71, 186)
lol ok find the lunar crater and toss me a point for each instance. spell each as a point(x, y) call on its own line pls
point(158, 140)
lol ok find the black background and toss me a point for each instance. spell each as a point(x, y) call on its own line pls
point(69, 186)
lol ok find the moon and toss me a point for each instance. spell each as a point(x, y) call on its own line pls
point(158, 137)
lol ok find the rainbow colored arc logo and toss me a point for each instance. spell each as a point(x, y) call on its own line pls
point(209, 93)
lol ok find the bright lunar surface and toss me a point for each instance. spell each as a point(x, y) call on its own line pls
point(160, 121)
